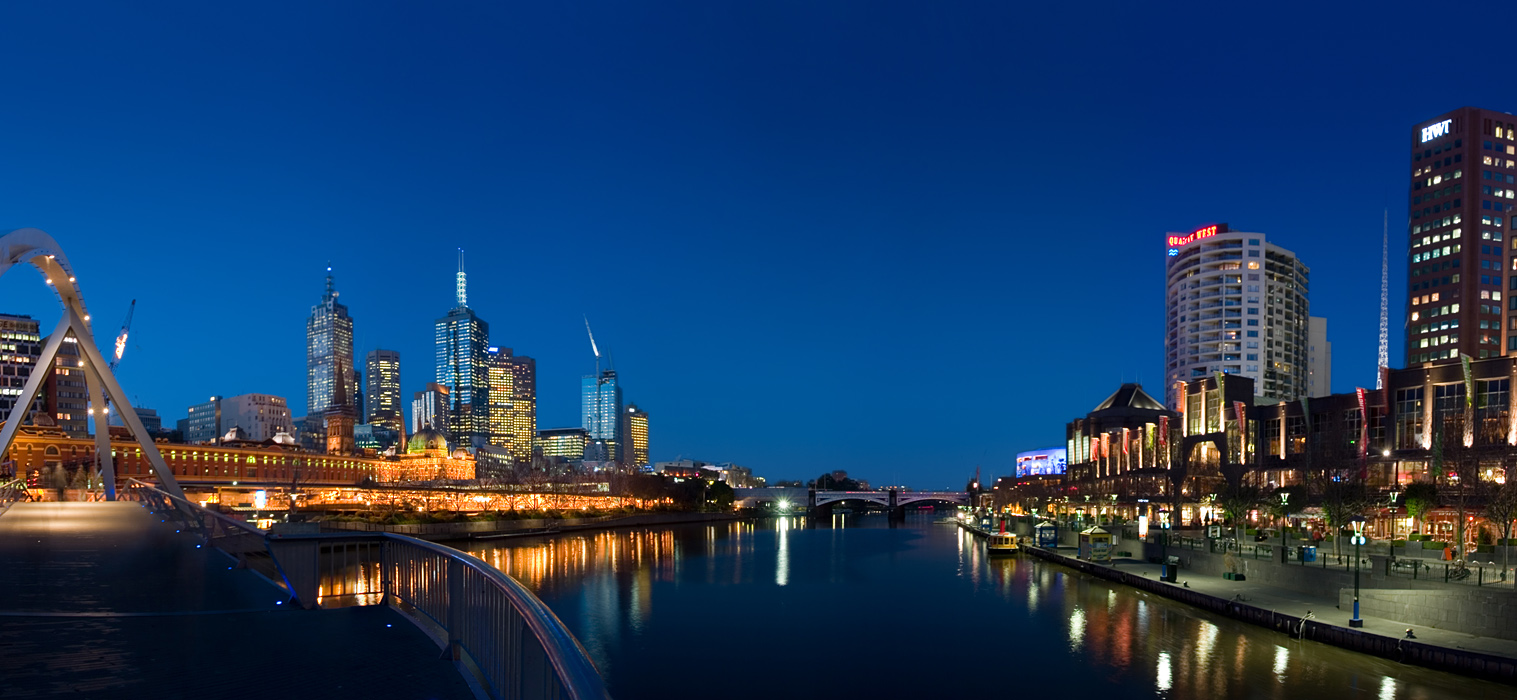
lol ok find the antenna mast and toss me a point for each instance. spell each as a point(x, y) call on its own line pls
point(1385, 345)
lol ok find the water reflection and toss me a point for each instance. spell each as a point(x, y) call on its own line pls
point(912, 604)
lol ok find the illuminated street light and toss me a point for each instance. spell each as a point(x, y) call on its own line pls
point(1358, 524)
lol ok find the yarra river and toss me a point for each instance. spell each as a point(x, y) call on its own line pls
point(855, 606)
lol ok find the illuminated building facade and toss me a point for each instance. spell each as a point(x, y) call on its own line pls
point(568, 443)
point(636, 438)
point(1236, 304)
point(261, 416)
point(383, 403)
point(524, 408)
point(338, 422)
point(20, 345)
point(463, 341)
point(429, 408)
point(601, 411)
point(65, 391)
point(204, 422)
point(502, 399)
point(1462, 194)
point(329, 345)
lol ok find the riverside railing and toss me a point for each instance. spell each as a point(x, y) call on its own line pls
point(496, 630)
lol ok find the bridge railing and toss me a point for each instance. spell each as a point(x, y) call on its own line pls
point(497, 631)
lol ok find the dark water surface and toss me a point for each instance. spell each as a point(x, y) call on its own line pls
point(856, 607)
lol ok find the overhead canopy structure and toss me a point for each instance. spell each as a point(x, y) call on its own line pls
point(29, 245)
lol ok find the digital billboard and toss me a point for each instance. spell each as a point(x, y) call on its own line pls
point(1048, 462)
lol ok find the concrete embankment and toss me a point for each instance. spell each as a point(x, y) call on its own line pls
point(1408, 651)
point(488, 529)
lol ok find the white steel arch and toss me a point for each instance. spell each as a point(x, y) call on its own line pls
point(29, 245)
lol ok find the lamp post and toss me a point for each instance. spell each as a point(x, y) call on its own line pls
point(1165, 572)
point(1284, 525)
point(1358, 523)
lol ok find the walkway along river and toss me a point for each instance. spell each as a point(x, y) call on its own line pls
point(856, 606)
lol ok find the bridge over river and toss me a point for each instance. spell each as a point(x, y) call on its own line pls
point(820, 502)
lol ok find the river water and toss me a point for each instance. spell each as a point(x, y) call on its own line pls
point(856, 606)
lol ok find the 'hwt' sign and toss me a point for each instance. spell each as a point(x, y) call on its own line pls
point(1432, 132)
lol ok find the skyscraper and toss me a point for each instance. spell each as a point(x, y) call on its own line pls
point(429, 408)
point(463, 341)
point(524, 408)
point(20, 345)
point(329, 345)
point(636, 437)
point(65, 391)
point(1235, 303)
point(383, 403)
point(204, 422)
point(1454, 303)
point(502, 397)
point(260, 416)
point(601, 410)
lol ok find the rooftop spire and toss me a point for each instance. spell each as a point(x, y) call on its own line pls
point(340, 388)
point(330, 292)
point(461, 286)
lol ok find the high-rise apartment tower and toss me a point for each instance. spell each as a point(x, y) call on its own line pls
point(383, 404)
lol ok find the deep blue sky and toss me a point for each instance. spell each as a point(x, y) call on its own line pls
point(901, 239)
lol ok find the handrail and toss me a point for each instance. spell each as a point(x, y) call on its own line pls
point(504, 672)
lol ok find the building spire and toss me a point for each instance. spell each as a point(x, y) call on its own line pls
point(330, 291)
point(1385, 345)
point(340, 387)
point(461, 286)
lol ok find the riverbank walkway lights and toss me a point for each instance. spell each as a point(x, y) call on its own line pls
point(1285, 520)
point(1358, 523)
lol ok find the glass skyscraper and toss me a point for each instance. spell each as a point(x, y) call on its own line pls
point(463, 365)
point(383, 405)
point(601, 410)
point(524, 408)
point(329, 345)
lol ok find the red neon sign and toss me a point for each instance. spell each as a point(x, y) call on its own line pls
point(1196, 235)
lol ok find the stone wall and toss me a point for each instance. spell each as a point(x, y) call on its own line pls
point(1482, 612)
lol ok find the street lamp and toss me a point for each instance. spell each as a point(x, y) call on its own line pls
point(1165, 572)
point(1284, 524)
point(1358, 523)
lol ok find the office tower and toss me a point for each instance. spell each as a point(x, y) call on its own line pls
point(463, 341)
point(1319, 358)
point(383, 402)
point(329, 344)
point(501, 399)
point(204, 422)
point(524, 408)
point(568, 443)
point(1463, 190)
point(601, 410)
point(636, 436)
point(65, 391)
point(358, 396)
point(261, 416)
point(1237, 304)
point(20, 346)
point(429, 408)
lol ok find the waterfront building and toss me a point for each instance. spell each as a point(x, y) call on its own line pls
point(635, 436)
point(65, 391)
point(383, 398)
point(1236, 304)
point(20, 346)
point(429, 408)
point(501, 402)
point(1462, 192)
point(329, 346)
point(601, 410)
point(261, 416)
point(462, 341)
point(204, 422)
point(568, 443)
point(427, 458)
point(1122, 446)
point(1319, 358)
point(523, 408)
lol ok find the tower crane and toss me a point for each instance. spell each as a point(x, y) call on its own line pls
point(126, 327)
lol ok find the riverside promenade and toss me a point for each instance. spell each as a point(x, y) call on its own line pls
point(1311, 616)
point(104, 600)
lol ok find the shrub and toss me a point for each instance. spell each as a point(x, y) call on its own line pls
point(1435, 545)
point(1398, 543)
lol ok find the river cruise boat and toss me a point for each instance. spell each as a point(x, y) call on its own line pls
point(1003, 543)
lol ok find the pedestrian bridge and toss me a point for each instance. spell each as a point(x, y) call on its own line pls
point(793, 497)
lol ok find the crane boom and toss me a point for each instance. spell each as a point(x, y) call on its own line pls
point(126, 328)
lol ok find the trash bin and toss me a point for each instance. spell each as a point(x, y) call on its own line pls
point(1308, 553)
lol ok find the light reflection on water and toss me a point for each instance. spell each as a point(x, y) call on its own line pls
point(813, 607)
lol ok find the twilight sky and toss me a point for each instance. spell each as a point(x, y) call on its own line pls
point(901, 239)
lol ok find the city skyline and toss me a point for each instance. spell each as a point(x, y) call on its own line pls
point(800, 224)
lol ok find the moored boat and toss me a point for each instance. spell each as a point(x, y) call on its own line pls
point(1002, 543)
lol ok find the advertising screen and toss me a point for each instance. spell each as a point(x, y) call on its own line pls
point(1041, 462)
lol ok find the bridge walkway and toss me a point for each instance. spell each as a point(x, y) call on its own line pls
point(104, 600)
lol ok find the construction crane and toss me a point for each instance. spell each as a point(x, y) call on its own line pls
point(126, 327)
point(594, 426)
